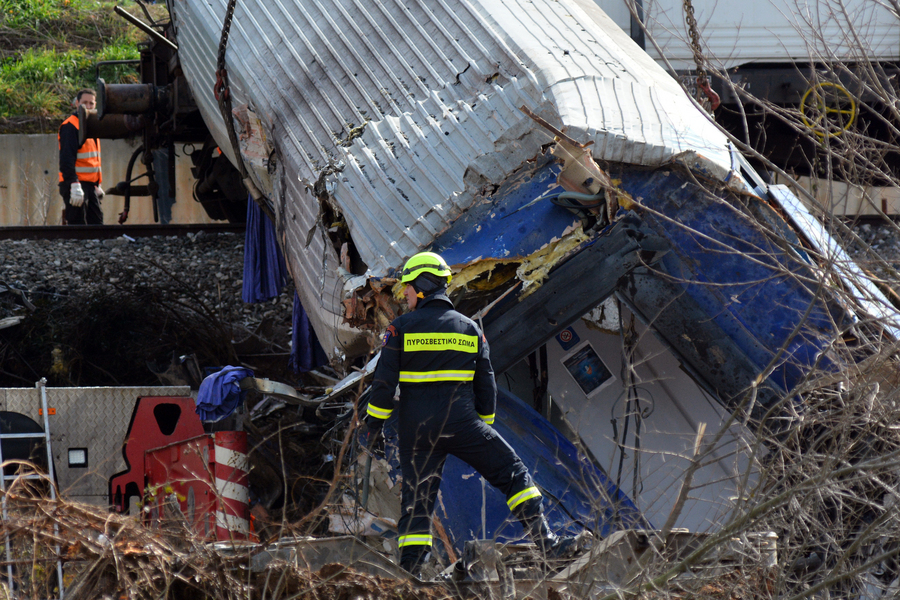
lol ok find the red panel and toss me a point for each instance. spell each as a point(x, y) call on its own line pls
point(155, 422)
point(181, 474)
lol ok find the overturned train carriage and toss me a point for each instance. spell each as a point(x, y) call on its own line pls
point(598, 223)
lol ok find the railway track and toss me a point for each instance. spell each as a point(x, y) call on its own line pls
point(94, 232)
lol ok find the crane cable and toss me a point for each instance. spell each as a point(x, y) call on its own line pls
point(702, 80)
point(221, 90)
point(222, 94)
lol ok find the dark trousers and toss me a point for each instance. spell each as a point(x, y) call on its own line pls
point(422, 464)
point(88, 213)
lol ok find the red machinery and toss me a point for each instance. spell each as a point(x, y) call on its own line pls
point(181, 473)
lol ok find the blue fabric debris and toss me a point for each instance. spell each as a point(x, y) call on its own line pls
point(306, 352)
point(220, 393)
point(265, 272)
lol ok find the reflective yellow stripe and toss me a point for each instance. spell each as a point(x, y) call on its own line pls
point(489, 419)
point(435, 342)
point(429, 376)
point(379, 413)
point(87, 169)
point(87, 155)
point(415, 540)
point(526, 494)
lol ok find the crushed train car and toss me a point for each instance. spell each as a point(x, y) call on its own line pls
point(638, 282)
point(555, 166)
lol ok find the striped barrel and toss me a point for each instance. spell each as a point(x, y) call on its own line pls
point(232, 471)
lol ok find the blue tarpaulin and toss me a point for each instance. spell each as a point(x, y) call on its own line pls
point(220, 393)
point(306, 352)
point(265, 272)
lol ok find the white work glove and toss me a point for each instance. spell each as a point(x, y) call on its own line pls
point(99, 191)
point(76, 195)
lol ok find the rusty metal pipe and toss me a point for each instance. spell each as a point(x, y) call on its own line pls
point(110, 127)
point(124, 98)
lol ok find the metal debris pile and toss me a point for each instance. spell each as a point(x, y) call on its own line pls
point(819, 514)
point(108, 556)
point(293, 453)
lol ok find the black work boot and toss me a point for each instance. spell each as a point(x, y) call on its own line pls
point(550, 545)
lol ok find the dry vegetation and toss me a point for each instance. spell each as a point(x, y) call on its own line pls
point(111, 556)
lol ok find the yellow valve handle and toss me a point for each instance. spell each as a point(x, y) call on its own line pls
point(824, 109)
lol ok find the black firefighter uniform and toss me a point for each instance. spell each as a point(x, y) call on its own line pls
point(447, 400)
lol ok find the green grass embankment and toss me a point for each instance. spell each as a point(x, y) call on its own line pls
point(49, 49)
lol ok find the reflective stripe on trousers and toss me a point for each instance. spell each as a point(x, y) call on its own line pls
point(415, 539)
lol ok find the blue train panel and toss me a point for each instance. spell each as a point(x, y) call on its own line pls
point(734, 257)
point(747, 279)
point(507, 225)
point(577, 494)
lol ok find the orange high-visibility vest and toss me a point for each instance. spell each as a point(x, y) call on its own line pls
point(87, 161)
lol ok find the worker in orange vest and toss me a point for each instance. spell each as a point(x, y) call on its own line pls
point(79, 168)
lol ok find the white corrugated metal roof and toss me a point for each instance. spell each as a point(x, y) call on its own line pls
point(438, 84)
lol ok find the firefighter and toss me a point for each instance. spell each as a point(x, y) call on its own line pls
point(79, 168)
point(447, 397)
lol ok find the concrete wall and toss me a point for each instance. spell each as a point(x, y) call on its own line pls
point(29, 186)
point(29, 183)
point(848, 200)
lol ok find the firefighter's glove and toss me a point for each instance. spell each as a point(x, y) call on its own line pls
point(371, 429)
point(76, 195)
point(99, 191)
point(374, 424)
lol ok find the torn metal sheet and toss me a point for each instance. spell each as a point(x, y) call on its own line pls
point(348, 518)
point(350, 382)
point(372, 306)
point(399, 120)
point(10, 322)
point(277, 390)
point(256, 148)
point(581, 173)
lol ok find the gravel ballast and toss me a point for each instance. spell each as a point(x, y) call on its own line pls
point(210, 265)
point(193, 281)
point(155, 287)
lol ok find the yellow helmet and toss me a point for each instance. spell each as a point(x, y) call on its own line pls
point(424, 262)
